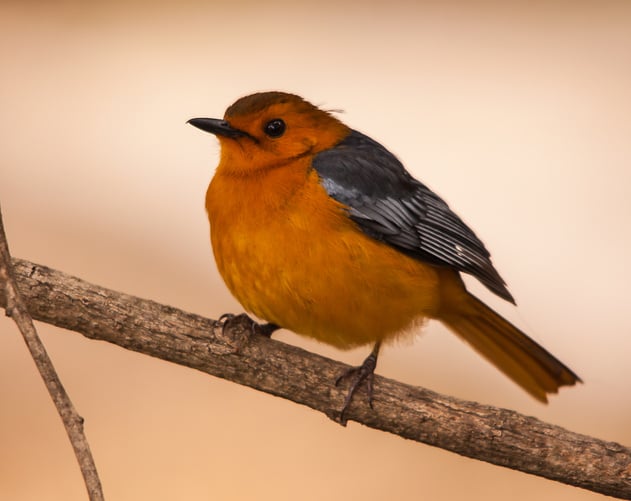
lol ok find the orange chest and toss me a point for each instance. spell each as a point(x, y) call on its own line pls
point(269, 230)
point(290, 255)
point(251, 216)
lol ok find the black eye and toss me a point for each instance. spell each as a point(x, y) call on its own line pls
point(274, 128)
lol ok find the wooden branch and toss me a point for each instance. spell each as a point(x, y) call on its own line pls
point(495, 435)
point(73, 422)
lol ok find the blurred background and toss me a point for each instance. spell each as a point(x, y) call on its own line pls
point(517, 113)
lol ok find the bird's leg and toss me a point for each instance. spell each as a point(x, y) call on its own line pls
point(365, 372)
point(267, 329)
point(263, 329)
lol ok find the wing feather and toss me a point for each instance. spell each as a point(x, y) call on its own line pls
point(388, 204)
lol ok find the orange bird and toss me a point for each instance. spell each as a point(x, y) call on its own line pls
point(319, 229)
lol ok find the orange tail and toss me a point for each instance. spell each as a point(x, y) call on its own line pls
point(509, 349)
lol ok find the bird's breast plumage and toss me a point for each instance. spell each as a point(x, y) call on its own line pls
point(291, 255)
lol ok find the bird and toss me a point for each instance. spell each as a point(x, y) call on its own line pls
point(319, 229)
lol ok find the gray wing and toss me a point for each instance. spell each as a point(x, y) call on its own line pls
point(388, 204)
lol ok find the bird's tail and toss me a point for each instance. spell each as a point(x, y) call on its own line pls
point(523, 360)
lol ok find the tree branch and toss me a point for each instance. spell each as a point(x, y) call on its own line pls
point(491, 434)
point(73, 422)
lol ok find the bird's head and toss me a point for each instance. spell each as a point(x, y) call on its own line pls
point(271, 129)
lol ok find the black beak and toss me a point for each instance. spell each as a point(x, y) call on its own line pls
point(216, 126)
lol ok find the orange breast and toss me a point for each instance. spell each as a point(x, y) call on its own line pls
point(291, 256)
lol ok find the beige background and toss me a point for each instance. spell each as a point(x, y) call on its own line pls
point(519, 116)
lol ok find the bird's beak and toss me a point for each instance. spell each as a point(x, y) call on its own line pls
point(217, 126)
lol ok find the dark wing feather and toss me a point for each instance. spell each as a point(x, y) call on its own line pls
point(391, 206)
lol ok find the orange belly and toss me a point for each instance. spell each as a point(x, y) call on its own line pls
point(291, 256)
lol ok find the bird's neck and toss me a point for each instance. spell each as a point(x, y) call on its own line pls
point(256, 191)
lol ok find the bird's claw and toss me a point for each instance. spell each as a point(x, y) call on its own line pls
point(228, 319)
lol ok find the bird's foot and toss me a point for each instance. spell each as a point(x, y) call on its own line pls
point(228, 320)
point(358, 375)
point(238, 329)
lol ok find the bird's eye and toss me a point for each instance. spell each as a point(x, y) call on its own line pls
point(274, 128)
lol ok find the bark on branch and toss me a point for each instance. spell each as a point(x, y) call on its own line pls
point(491, 434)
